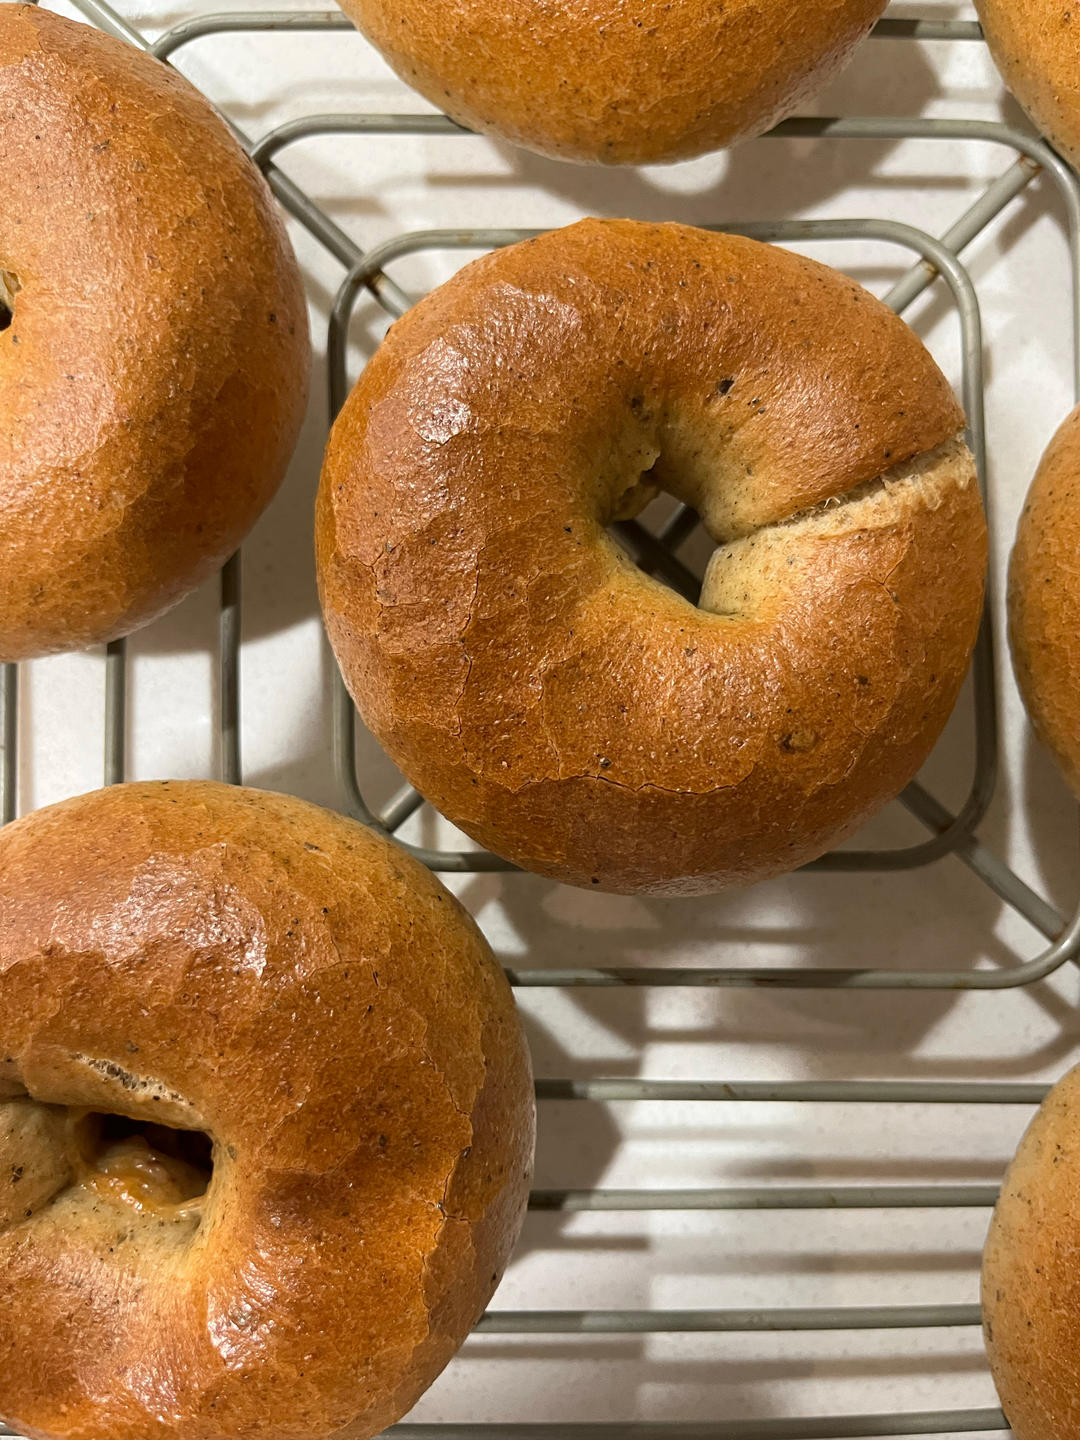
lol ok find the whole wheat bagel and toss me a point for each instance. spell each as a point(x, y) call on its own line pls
point(183, 961)
point(615, 82)
point(153, 337)
point(1037, 49)
point(554, 702)
point(1031, 1279)
point(1044, 599)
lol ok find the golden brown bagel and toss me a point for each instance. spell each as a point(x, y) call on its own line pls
point(1031, 1278)
point(1036, 46)
point(212, 959)
point(556, 704)
point(154, 356)
point(1044, 599)
point(604, 80)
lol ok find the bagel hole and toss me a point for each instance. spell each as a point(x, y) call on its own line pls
point(9, 288)
point(146, 1163)
point(662, 536)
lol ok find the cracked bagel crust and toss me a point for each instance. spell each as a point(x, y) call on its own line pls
point(154, 374)
point(554, 702)
point(1036, 46)
point(1044, 599)
point(618, 83)
point(1030, 1278)
point(223, 959)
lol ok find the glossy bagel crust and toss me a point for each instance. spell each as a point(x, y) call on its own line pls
point(559, 706)
point(226, 960)
point(154, 373)
point(1031, 1278)
point(1044, 599)
point(617, 81)
point(1036, 46)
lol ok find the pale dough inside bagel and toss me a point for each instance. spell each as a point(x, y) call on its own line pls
point(749, 572)
point(756, 558)
point(120, 1176)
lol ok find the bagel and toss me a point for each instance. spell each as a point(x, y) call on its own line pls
point(190, 962)
point(611, 82)
point(1030, 1278)
point(153, 337)
point(1044, 600)
point(1035, 46)
point(562, 708)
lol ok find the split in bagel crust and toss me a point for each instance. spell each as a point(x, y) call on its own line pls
point(219, 960)
point(559, 706)
point(618, 83)
point(153, 337)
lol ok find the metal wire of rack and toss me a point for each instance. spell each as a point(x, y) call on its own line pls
point(948, 833)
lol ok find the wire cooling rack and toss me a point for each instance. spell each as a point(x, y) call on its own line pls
point(948, 832)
